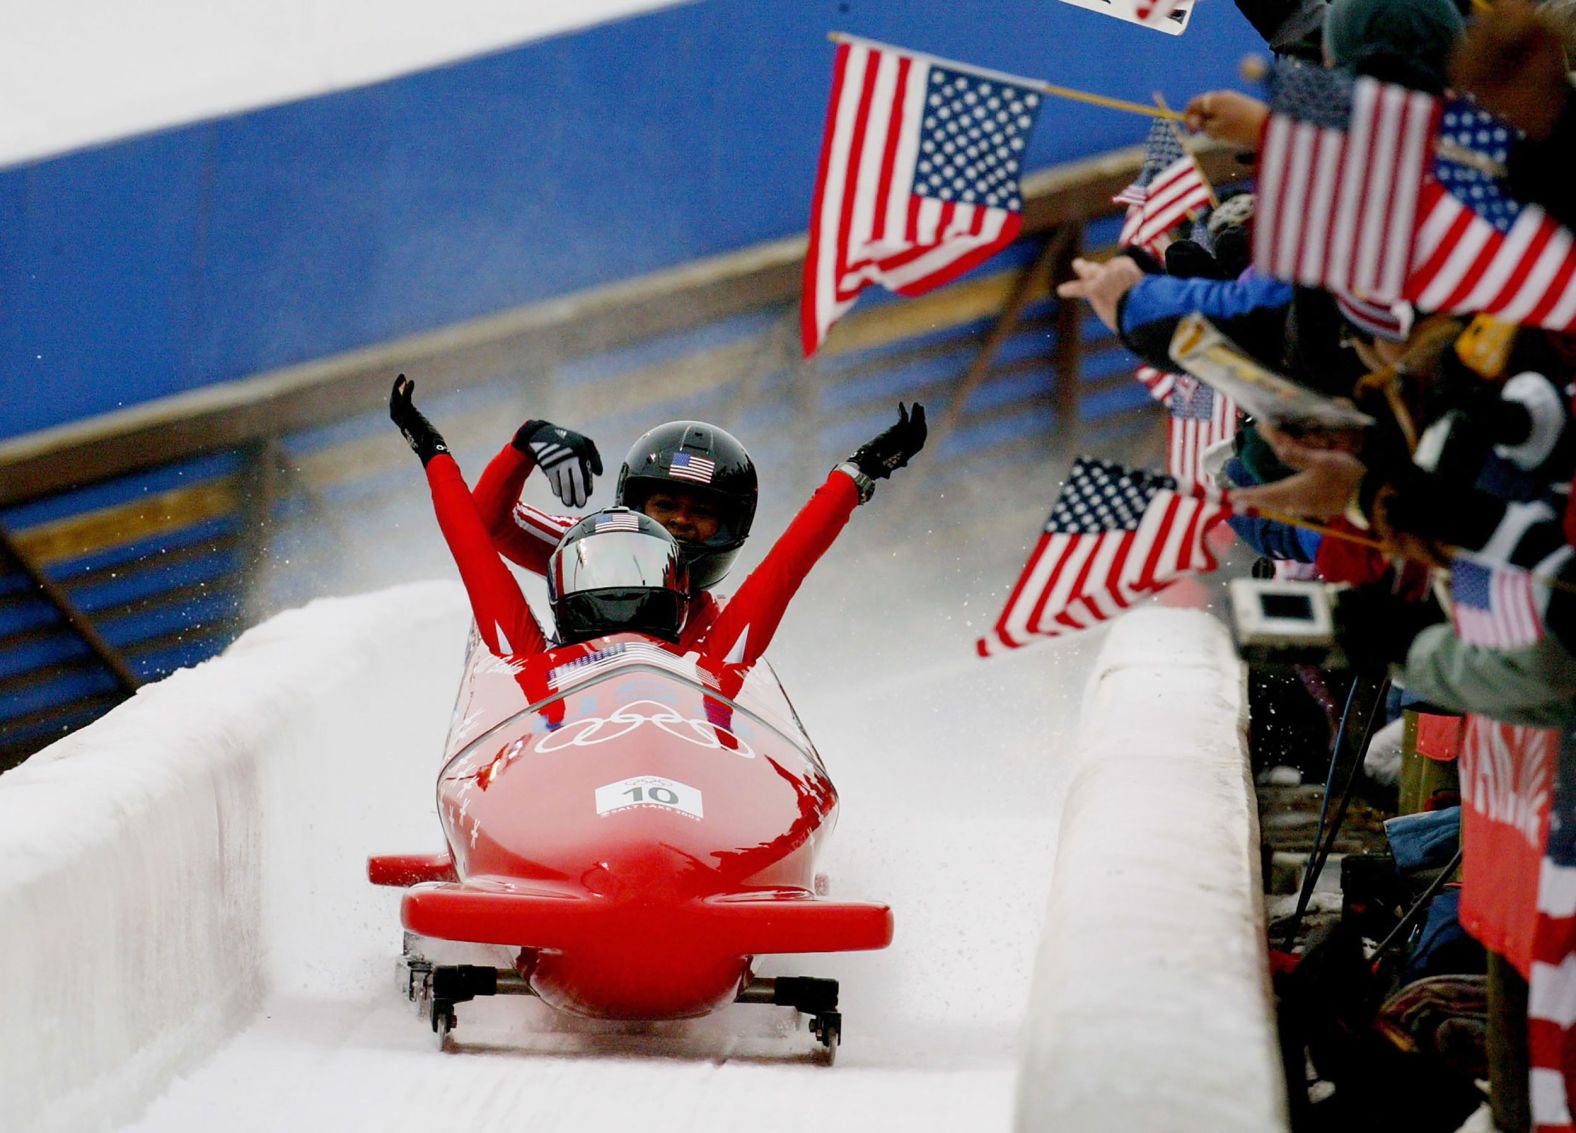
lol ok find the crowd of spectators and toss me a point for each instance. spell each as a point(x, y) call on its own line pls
point(1464, 479)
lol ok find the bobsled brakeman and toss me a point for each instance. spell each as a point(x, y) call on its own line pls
point(635, 824)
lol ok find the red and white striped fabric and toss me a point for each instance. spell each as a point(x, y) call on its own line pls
point(1159, 383)
point(1338, 190)
point(548, 528)
point(1478, 247)
point(1494, 606)
point(918, 180)
point(1115, 535)
point(1200, 417)
point(1463, 263)
point(1551, 983)
point(1176, 191)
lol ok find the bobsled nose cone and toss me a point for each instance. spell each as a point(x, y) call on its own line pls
point(648, 875)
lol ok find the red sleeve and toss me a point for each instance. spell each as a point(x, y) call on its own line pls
point(521, 533)
point(749, 621)
point(502, 616)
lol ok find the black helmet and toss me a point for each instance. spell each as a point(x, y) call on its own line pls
point(705, 461)
point(617, 571)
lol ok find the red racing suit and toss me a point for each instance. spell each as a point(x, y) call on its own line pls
point(737, 632)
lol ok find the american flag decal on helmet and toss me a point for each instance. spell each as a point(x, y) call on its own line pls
point(687, 466)
point(618, 521)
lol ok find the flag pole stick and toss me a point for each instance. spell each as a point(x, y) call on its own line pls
point(1019, 80)
point(1548, 580)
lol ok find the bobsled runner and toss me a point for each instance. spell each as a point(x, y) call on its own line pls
point(640, 827)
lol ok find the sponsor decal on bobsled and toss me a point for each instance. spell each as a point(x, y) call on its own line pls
point(592, 730)
point(646, 791)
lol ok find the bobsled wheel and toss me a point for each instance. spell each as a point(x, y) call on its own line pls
point(827, 1028)
point(443, 1021)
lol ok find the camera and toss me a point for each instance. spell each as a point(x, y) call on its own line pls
point(1284, 622)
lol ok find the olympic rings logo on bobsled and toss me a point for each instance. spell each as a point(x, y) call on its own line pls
point(592, 730)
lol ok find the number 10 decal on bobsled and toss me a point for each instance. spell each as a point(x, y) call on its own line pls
point(637, 828)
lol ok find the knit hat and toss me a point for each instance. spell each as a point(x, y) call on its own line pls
point(1400, 41)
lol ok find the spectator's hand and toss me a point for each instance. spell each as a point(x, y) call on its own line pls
point(1227, 116)
point(1513, 61)
point(424, 440)
point(1324, 482)
point(892, 448)
point(1103, 285)
point(568, 459)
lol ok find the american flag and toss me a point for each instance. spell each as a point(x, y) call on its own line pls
point(1551, 988)
point(1170, 185)
point(1493, 606)
point(1480, 249)
point(618, 521)
point(687, 466)
point(1200, 417)
point(1114, 535)
point(918, 180)
point(1338, 181)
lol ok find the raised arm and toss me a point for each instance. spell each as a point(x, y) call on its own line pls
point(503, 617)
point(750, 619)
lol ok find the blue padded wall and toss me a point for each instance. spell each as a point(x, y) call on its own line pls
point(218, 250)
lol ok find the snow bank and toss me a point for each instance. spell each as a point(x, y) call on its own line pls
point(141, 856)
point(1151, 1007)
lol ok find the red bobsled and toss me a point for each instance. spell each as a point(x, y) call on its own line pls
point(640, 827)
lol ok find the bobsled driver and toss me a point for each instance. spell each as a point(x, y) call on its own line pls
point(622, 570)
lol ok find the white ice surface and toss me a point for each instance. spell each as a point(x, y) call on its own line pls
point(949, 814)
point(78, 72)
point(175, 983)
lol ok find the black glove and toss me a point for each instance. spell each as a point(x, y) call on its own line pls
point(1375, 627)
point(425, 441)
point(891, 449)
point(566, 458)
point(1188, 259)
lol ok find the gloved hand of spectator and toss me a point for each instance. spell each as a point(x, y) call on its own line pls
point(568, 459)
point(1375, 627)
point(892, 448)
point(424, 440)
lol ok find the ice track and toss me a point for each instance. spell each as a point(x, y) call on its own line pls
point(951, 790)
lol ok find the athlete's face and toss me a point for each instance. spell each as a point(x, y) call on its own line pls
point(686, 516)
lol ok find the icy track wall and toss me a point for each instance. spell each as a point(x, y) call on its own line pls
point(147, 862)
point(1151, 1006)
point(141, 858)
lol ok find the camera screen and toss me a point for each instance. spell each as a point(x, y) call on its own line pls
point(1298, 607)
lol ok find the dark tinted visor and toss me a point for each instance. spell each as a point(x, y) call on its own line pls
point(612, 560)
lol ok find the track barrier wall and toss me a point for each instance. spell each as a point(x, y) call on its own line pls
point(1151, 1006)
point(141, 856)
